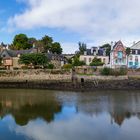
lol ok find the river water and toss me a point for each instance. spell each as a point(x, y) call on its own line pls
point(58, 115)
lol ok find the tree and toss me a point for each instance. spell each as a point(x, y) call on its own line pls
point(34, 59)
point(56, 48)
point(96, 62)
point(39, 45)
point(107, 48)
point(77, 62)
point(20, 42)
point(82, 47)
point(47, 43)
point(32, 40)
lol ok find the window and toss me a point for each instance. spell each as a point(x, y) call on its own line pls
point(136, 59)
point(130, 63)
point(136, 51)
point(133, 52)
point(120, 54)
point(85, 59)
point(4, 55)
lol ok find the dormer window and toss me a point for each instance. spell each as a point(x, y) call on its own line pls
point(4, 55)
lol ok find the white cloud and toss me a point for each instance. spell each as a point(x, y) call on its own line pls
point(94, 20)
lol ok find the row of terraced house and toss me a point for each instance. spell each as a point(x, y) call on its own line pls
point(118, 56)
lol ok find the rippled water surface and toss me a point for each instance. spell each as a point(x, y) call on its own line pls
point(56, 115)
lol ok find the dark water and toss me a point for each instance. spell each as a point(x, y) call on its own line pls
point(55, 115)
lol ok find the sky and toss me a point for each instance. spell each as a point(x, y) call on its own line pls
point(94, 22)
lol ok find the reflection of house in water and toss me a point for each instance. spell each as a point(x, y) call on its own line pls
point(25, 108)
point(120, 106)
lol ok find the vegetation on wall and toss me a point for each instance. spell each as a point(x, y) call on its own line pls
point(96, 62)
point(113, 72)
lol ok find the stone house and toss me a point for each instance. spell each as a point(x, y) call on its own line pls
point(10, 58)
point(58, 60)
point(118, 57)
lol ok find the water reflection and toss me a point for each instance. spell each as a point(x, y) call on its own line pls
point(53, 115)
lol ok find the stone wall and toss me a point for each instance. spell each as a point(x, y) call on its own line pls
point(62, 80)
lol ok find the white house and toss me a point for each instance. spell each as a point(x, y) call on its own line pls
point(134, 57)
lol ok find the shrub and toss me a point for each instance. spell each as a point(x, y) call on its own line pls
point(96, 62)
point(67, 66)
point(106, 71)
point(50, 66)
point(114, 72)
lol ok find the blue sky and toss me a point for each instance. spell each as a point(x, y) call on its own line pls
point(94, 22)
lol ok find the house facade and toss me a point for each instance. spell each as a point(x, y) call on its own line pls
point(134, 57)
point(118, 57)
point(10, 58)
point(90, 54)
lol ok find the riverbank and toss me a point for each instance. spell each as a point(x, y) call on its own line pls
point(65, 80)
point(70, 86)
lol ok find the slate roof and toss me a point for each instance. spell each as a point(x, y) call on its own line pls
point(52, 56)
point(136, 46)
point(14, 53)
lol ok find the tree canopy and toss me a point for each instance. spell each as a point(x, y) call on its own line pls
point(45, 44)
point(21, 42)
point(107, 48)
point(128, 50)
point(34, 59)
point(82, 47)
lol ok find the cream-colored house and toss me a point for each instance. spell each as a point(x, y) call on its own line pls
point(97, 52)
point(88, 59)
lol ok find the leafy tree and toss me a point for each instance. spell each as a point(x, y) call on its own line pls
point(31, 40)
point(39, 45)
point(82, 47)
point(107, 47)
point(47, 43)
point(56, 48)
point(77, 62)
point(96, 62)
point(128, 50)
point(34, 59)
point(20, 42)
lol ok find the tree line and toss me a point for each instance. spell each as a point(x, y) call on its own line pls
point(44, 45)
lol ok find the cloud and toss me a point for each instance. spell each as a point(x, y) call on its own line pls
point(94, 20)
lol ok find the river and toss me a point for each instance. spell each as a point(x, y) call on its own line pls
point(58, 115)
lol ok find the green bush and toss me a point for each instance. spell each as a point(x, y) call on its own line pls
point(50, 66)
point(96, 62)
point(114, 72)
point(106, 71)
point(67, 66)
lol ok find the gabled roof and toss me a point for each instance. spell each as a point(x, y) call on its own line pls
point(136, 45)
point(14, 53)
point(118, 44)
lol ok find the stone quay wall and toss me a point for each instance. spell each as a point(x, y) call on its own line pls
point(64, 80)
